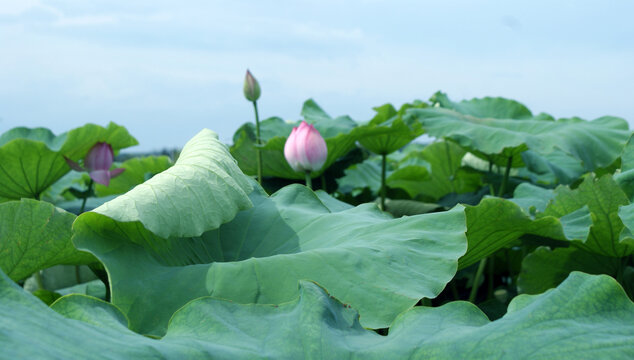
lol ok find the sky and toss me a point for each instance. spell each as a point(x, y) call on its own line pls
point(167, 69)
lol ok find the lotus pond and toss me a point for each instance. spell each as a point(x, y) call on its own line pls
point(500, 234)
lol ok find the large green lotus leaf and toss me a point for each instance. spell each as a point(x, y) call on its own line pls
point(337, 132)
point(602, 197)
point(389, 131)
point(205, 188)
point(137, 170)
point(491, 107)
point(35, 235)
point(380, 265)
point(597, 143)
point(31, 160)
point(496, 223)
point(585, 317)
point(545, 268)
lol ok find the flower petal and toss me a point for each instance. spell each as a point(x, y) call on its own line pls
point(73, 165)
point(290, 151)
point(101, 176)
point(116, 172)
point(99, 157)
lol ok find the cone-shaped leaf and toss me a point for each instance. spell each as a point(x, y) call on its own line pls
point(389, 131)
point(204, 189)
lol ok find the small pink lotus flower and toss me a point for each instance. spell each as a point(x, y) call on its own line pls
point(305, 149)
point(97, 163)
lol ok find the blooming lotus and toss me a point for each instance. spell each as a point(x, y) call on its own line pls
point(97, 164)
point(305, 149)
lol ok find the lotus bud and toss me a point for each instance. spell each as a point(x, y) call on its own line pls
point(251, 87)
point(305, 149)
point(97, 164)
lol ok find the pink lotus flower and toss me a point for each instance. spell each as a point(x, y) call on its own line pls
point(97, 163)
point(305, 149)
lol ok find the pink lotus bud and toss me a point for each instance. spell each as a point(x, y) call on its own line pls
point(305, 149)
point(251, 87)
point(97, 163)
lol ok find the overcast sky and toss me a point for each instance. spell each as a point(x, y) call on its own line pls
point(166, 69)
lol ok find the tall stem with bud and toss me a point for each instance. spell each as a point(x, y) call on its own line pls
point(252, 93)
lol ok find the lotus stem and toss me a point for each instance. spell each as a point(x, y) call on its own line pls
point(476, 280)
point(39, 280)
point(81, 211)
point(323, 182)
point(505, 179)
point(83, 203)
point(258, 142)
point(490, 278)
point(309, 181)
point(491, 188)
point(383, 187)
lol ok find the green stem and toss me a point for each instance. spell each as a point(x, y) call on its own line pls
point(505, 180)
point(491, 189)
point(309, 181)
point(81, 211)
point(323, 182)
point(258, 142)
point(83, 203)
point(39, 280)
point(490, 279)
point(383, 187)
point(476, 280)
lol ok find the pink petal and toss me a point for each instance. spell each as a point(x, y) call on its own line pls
point(101, 176)
point(303, 132)
point(116, 172)
point(316, 150)
point(290, 151)
point(99, 157)
point(73, 165)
